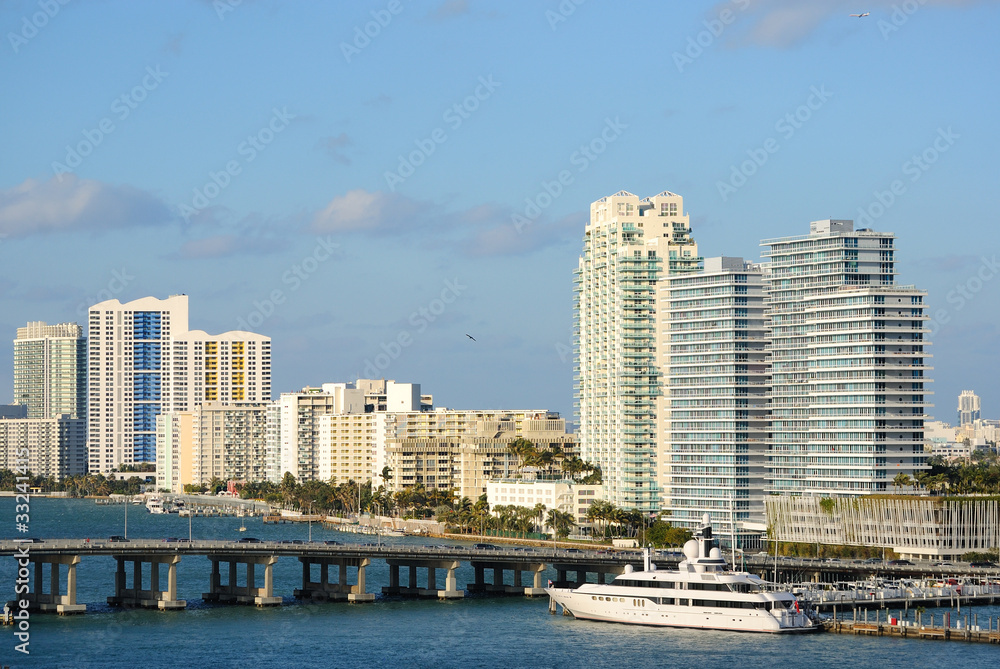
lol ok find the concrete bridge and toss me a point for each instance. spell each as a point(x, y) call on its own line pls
point(249, 577)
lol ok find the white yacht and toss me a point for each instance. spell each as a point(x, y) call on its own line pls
point(155, 505)
point(702, 593)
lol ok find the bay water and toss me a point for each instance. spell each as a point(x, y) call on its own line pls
point(475, 632)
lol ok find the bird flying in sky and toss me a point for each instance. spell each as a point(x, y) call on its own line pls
point(470, 336)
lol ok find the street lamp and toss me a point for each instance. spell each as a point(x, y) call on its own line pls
point(310, 520)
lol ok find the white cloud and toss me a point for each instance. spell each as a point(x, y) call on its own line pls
point(370, 211)
point(36, 207)
point(480, 230)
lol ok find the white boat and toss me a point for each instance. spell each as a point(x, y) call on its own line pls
point(155, 505)
point(702, 593)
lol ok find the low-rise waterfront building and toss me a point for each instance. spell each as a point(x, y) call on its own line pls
point(913, 527)
point(563, 495)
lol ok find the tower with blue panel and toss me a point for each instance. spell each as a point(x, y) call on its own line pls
point(147, 370)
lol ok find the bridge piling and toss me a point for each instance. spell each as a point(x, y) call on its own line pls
point(517, 586)
point(450, 591)
point(414, 588)
point(248, 594)
point(325, 589)
point(53, 600)
point(153, 598)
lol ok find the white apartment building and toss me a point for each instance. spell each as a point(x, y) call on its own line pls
point(175, 451)
point(847, 363)
point(55, 447)
point(349, 445)
point(969, 408)
point(272, 452)
point(563, 495)
point(50, 370)
point(307, 448)
point(229, 442)
point(941, 439)
point(986, 432)
point(714, 355)
point(630, 245)
point(144, 361)
point(214, 441)
point(463, 450)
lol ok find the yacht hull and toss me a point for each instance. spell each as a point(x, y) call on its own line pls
point(636, 610)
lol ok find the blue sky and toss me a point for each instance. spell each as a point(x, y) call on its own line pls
point(347, 177)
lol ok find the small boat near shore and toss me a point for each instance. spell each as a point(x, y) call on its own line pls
point(155, 505)
point(703, 593)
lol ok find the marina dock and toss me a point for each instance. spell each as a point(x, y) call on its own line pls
point(967, 629)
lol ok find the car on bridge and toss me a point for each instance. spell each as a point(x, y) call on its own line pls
point(900, 563)
point(115, 538)
point(249, 540)
point(485, 547)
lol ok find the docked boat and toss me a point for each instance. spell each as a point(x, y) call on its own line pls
point(702, 593)
point(155, 505)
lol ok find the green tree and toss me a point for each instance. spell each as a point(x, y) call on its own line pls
point(561, 522)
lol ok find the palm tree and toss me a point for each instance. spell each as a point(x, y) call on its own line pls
point(901, 481)
point(481, 512)
point(561, 522)
point(573, 465)
point(539, 513)
point(602, 510)
point(523, 450)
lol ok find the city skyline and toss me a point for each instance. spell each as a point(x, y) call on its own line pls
point(280, 186)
